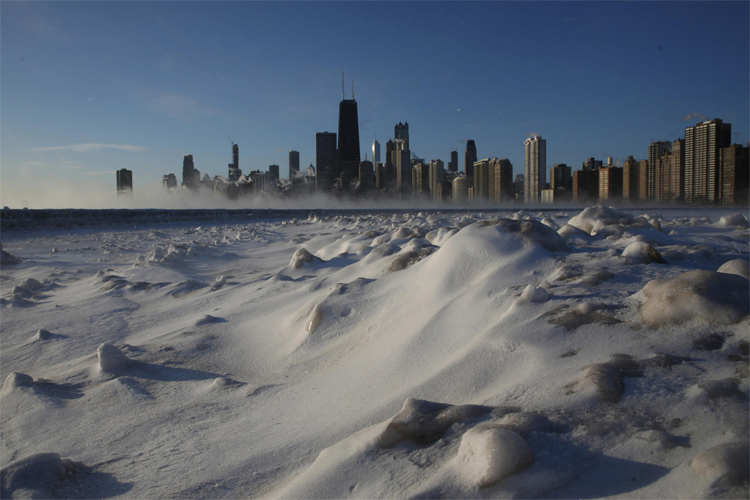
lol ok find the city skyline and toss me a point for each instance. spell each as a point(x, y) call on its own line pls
point(591, 95)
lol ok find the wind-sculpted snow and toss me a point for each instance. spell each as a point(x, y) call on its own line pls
point(375, 354)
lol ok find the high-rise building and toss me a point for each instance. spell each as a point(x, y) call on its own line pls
point(437, 177)
point(561, 181)
point(366, 176)
point(348, 150)
point(610, 183)
point(273, 172)
point(677, 171)
point(534, 168)
point(124, 181)
point(482, 179)
point(293, 164)
point(402, 163)
point(460, 190)
point(191, 177)
point(169, 181)
point(389, 180)
point(591, 164)
point(453, 164)
point(630, 179)
point(656, 151)
point(470, 156)
point(326, 161)
point(735, 175)
point(375, 152)
point(703, 144)
point(401, 132)
point(643, 180)
point(420, 179)
point(585, 185)
point(234, 168)
point(503, 185)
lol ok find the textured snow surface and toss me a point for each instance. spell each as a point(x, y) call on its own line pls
point(558, 354)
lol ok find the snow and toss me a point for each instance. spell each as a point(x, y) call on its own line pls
point(376, 354)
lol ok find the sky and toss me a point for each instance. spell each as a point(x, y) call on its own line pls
point(87, 88)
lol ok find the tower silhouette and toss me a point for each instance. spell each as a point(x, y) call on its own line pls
point(348, 146)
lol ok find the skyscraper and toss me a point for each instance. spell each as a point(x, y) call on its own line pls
point(190, 175)
point(677, 171)
point(348, 150)
point(534, 168)
point(375, 152)
point(124, 181)
point(703, 144)
point(293, 163)
point(656, 166)
point(234, 168)
point(470, 157)
point(735, 175)
point(453, 164)
point(401, 131)
point(325, 160)
point(273, 172)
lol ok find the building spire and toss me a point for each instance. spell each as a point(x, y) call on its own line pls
point(352, 89)
point(343, 96)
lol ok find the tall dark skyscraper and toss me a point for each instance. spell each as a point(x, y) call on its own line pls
point(703, 144)
point(293, 163)
point(190, 175)
point(325, 160)
point(124, 181)
point(401, 131)
point(348, 150)
point(234, 168)
point(470, 157)
point(453, 164)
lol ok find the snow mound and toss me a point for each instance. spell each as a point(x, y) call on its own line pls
point(31, 284)
point(488, 453)
point(740, 267)
point(704, 295)
point(587, 219)
point(533, 294)
point(424, 422)
point(726, 464)
point(111, 357)
point(42, 334)
point(529, 231)
point(208, 320)
point(37, 476)
point(302, 256)
point(642, 251)
point(6, 258)
point(14, 380)
point(570, 232)
point(733, 220)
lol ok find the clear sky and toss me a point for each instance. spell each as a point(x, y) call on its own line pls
point(88, 88)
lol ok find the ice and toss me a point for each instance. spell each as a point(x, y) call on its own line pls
point(37, 476)
point(489, 453)
point(696, 295)
point(726, 464)
point(238, 374)
point(737, 219)
point(740, 267)
point(643, 252)
point(111, 357)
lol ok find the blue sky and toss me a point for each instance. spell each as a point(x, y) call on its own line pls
point(91, 87)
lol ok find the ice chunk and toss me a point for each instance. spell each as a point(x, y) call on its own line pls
point(740, 267)
point(300, 257)
point(608, 215)
point(733, 220)
point(568, 232)
point(6, 258)
point(110, 357)
point(36, 476)
point(642, 251)
point(488, 453)
point(31, 284)
point(424, 422)
point(42, 334)
point(727, 464)
point(16, 379)
point(705, 295)
point(533, 294)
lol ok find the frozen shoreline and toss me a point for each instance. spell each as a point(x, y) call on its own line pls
point(389, 359)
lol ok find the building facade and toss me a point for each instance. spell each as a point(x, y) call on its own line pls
point(470, 157)
point(326, 161)
point(703, 143)
point(534, 168)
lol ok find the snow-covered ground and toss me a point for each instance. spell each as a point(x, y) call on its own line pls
point(589, 354)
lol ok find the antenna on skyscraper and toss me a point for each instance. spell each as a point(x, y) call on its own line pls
point(343, 96)
point(352, 89)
